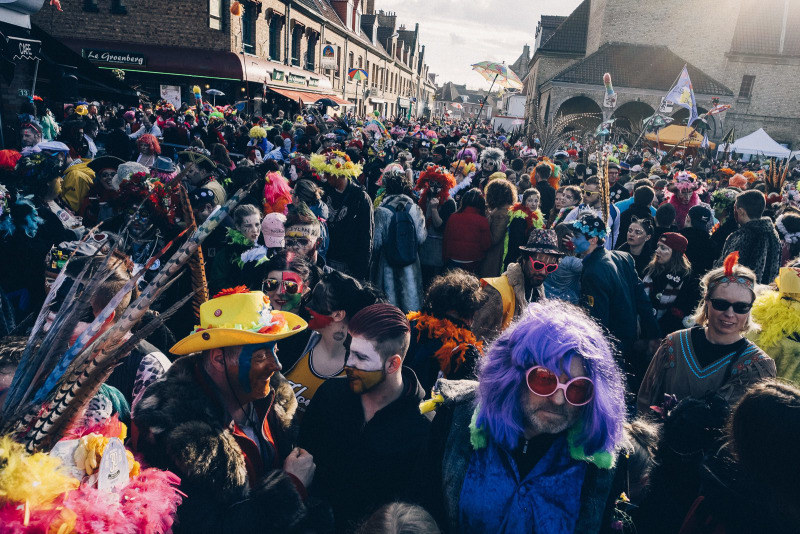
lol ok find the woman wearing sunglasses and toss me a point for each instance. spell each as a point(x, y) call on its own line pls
point(713, 356)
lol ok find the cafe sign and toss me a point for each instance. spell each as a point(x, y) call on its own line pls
point(111, 56)
point(294, 78)
point(313, 82)
point(277, 75)
point(24, 48)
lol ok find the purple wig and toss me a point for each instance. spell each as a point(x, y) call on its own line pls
point(550, 333)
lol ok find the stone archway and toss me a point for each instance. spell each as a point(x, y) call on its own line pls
point(681, 115)
point(577, 105)
point(630, 115)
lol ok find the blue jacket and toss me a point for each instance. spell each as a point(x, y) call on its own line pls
point(546, 501)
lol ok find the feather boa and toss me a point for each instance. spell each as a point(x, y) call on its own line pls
point(455, 340)
point(37, 497)
point(277, 193)
point(778, 317)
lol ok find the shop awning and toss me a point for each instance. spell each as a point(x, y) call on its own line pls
point(58, 60)
point(304, 97)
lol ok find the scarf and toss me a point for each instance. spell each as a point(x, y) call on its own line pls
point(455, 340)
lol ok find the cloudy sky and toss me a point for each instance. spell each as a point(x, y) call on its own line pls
point(457, 33)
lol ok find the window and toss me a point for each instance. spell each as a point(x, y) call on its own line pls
point(746, 89)
point(214, 14)
point(275, 37)
point(248, 28)
point(350, 60)
point(297, 39)
point(338, 71)
point(311, 52)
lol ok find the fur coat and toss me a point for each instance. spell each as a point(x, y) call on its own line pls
point(181, 426)
point(759, 248)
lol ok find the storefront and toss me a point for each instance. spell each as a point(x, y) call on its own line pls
point(171, 73)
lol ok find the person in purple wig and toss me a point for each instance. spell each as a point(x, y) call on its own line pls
point(532, 445)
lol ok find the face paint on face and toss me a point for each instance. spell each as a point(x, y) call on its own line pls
point(581, 243)
point(250, 372)
point(364, 367)
point(318, 321)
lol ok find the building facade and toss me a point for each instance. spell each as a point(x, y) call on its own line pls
point(299, 50)
point(457, 102)
point(746, 54)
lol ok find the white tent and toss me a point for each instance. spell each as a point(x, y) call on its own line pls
point(758, 143)
point(796, 154)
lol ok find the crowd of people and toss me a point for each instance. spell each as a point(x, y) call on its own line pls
point(424, 325)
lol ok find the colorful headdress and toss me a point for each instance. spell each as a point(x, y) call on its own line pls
point(335, 163)
point(257, 132)
point(723, 199)
point(591, 225)
point(731, 261)
point(684, 180)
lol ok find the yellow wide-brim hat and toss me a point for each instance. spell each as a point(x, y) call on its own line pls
point(233, 320)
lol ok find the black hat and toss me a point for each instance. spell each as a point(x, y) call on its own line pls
point(105, 162)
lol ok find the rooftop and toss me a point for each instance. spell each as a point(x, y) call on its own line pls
point(767, 28)
point(639, 66)
point(570, 36)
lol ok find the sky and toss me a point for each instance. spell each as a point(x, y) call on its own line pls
point(458, 33)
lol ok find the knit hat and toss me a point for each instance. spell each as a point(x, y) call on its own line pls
point(674, 241)
point(542, 240)
point(273, 230)
point(699, 215)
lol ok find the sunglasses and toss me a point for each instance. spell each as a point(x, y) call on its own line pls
point(722, 305)
point(544, 383)
point(272, 284)
point(540, 265)
point(590, 193)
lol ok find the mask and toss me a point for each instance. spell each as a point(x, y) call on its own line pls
point(318, 321)
point(245, 364)
point(581, 243)
point(363, 381)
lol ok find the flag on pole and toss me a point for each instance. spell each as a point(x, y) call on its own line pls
point(683, 95)
point(704, 144)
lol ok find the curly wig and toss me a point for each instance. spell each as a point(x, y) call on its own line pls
point(458, 291)
point(550, 333)
point(500, 193)
point(151, 141)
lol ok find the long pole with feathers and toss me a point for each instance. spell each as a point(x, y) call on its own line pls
point(38, 426)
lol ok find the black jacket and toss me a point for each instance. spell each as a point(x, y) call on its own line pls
point(351, 226)
point(701, 250)
point(548, 195)
point(615, 296)
point(361, 466)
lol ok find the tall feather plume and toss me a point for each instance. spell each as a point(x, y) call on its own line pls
point(197, 265)
point(730, 261)
point(100, 357)
point(605, 192)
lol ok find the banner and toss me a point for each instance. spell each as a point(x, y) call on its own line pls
point(683, 95)
point(172, 94)
point(328, 58)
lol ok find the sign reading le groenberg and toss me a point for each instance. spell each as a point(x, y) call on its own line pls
point(111, 56)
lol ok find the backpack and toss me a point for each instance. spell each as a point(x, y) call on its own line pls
point(401, 246)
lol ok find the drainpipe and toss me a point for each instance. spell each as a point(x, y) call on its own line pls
point(287, 39)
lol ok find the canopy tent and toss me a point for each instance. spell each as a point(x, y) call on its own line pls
point(796, 154)
point(758, 143)
point(674, 134)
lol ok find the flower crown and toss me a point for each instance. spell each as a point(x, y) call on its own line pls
point(685, 180)
point(787, 236)
point(724, 198)
point(335, 163)
point(591, 226)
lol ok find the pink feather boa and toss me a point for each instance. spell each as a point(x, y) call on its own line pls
point(277, 188)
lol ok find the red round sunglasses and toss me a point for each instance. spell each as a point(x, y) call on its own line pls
point(544, 382)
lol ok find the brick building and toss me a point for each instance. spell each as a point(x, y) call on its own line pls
point(280, 51)
point(459, 102)
point(745, 52)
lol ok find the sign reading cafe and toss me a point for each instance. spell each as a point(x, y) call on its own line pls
point(110, 56)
